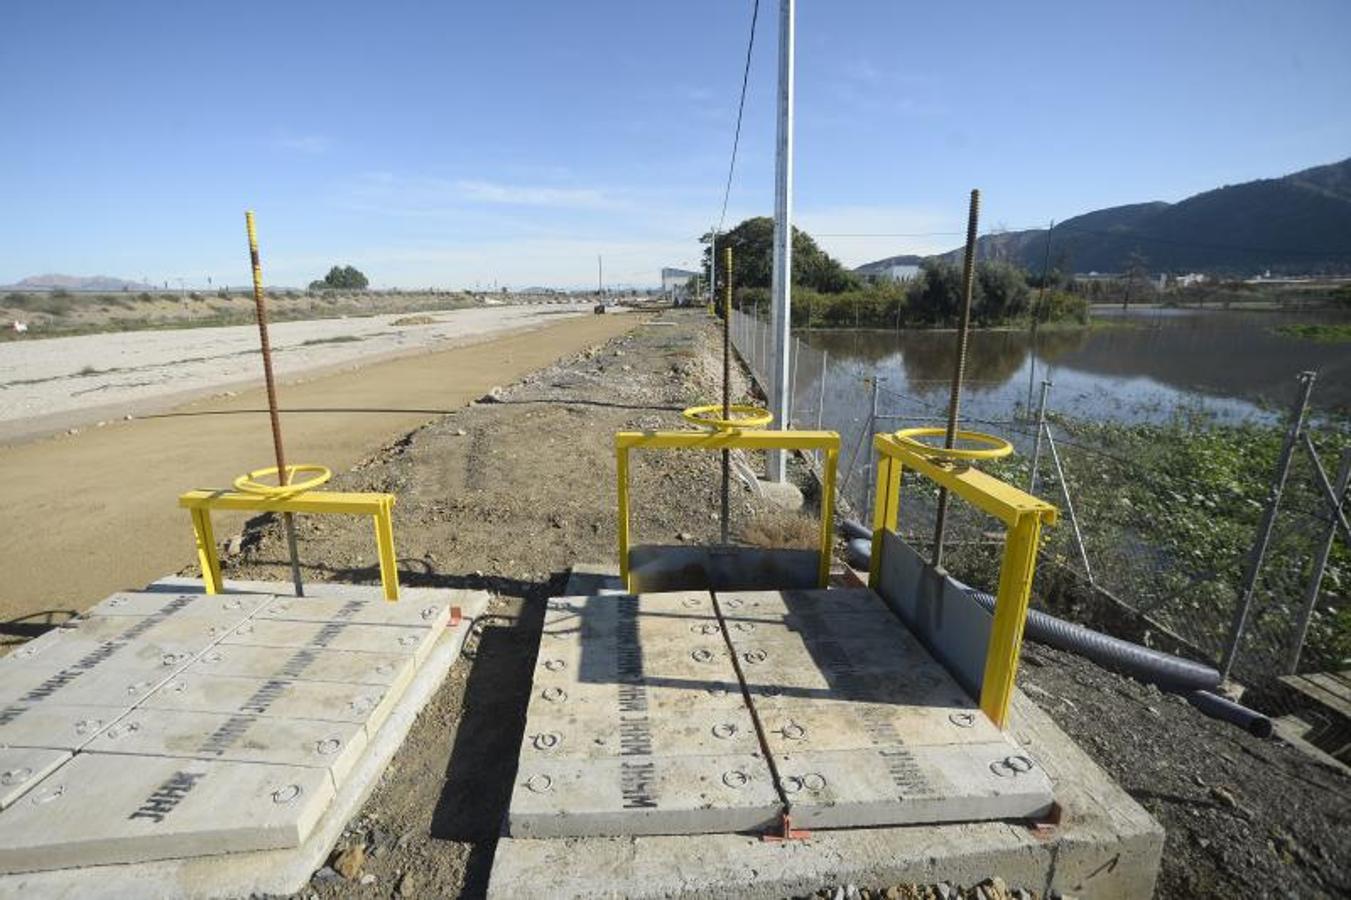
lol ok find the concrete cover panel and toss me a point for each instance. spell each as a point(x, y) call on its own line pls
point(23, 767)
point(349, 666)
point(794, 725)
point(54, 726)
point(642, 795)
point(892, 785)
point(182, 606)
point(634, 719)
point(123, 809)
point(102, 673)
point(415, 642)
point(361, 612)
point(328, 700)
point(140, 636)
point(331, 746)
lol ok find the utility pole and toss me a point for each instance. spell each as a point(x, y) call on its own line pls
point(600, 279)
point(713, 270)
point(781, 323)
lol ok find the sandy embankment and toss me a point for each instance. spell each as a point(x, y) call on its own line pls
point(54, 384)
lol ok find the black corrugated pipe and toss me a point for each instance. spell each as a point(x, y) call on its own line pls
point(1170, 673)
point(1167, 671)
point(857, 530)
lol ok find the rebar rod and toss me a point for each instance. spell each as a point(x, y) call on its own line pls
point(283, 476)
point(959, 370)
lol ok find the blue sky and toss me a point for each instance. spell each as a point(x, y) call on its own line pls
point(456, 143)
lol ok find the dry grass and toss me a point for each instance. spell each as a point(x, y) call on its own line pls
point(782, 529)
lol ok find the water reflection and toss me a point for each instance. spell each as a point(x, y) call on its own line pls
point(1232, 365)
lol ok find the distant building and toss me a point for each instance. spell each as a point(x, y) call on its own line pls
point(899, 272)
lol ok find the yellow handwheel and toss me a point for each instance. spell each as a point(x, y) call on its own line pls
point(745, 416)
point(249, 482)
point(994, 447)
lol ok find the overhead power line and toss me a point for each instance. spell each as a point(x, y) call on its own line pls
point(740, 109)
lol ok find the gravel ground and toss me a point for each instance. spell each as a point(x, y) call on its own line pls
point(506, 495)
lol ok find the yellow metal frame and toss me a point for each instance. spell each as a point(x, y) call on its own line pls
point(826, 441)
point(378, 506)
point(1023, 516)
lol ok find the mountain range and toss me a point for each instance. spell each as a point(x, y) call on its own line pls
point(1299, 224)
point(75, 283)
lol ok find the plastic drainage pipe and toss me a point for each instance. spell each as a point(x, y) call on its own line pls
point(1170, 673)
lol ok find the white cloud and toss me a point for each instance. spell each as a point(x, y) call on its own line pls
point(530, 195)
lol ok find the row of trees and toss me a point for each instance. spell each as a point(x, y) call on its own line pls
point(826, 294)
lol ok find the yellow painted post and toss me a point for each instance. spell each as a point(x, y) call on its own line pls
point(1006, 634)
point(827, 514)
point(384, 542)
point(622, 470)
point(886, 511)
point(206, 550)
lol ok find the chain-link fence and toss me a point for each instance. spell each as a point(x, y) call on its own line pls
point(1158, 520)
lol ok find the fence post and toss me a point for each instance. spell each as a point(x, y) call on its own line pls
point(1036, 442)
point(872, 451)
point(1069, 503)
point(1259, 548)
point(796, 348)
point(1320, 562)
point(821, 398)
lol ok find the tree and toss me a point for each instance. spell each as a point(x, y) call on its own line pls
point(752, 244)
point(341, 278)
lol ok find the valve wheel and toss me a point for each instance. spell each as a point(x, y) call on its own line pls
point(993, 447)
point(742, 416)
point(249, 482)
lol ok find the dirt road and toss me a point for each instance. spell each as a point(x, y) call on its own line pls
point(88, 514)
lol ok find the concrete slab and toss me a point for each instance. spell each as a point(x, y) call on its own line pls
point(890, 785)
point(390, 670)
point(414, 642)
point(1106, 846)
point(103, 809)
point(899, 755)
point(330, 746)
point(324, 700)
point(139, 638)
point(636, 724)
point(655, 568)
point(103, 673)
point(179, 605)
point(267, 872)
point(357, 611)
point(23, 767)
point(55, 726)
point(642, 794)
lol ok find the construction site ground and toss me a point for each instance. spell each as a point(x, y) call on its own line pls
point(506, 495)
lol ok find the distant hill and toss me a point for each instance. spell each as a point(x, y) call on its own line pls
point(1296, 225)
point(75, 283)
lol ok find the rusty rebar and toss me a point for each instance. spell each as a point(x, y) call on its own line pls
point(279, 450)
point(959, 370)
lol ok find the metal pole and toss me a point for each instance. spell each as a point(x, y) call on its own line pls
point(1329, 492)
point(872, 452)
point(1036, 442)
point(959, 370)
point(1069, 503)
point(1259, 549)
point(1321, 561)
point(792, 381)
point(283, 476)
point(821, 398)
point(1040, 308)
point(713, 271)
point(782, 282)
point(726, 393)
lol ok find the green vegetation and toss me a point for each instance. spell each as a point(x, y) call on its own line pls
point(1324, 334)
point(341, 278)
point(827, 295)
point(1169, 514)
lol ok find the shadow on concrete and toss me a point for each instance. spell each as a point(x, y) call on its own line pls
point(22, 629)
